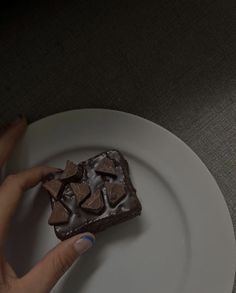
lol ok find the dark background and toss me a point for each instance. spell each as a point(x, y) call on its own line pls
point(173, 62)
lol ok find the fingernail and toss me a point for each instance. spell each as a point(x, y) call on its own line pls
point(18, 119)
point(6, 127)
point(52, 175)
point(3, 129)
point(48, 177)
point(84, 243)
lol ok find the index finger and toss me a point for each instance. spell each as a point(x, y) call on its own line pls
point(11, 192)
point(10, 136)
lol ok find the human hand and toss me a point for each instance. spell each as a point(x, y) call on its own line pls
point(48, 271)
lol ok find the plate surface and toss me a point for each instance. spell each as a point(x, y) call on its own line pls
point(184, 240)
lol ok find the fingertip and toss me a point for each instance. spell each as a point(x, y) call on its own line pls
point(84, 243)
point(50, 173)
point(90, 235)
point(88, 238)
point(19, 120)
point(24, 120)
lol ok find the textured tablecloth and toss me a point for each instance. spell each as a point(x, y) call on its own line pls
point(173, 62)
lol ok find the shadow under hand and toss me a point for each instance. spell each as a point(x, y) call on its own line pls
point(24, 232)
point(81, 272)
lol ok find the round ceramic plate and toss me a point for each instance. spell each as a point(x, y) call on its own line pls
point(183, 241)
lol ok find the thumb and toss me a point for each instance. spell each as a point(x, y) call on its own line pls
point(48, 271)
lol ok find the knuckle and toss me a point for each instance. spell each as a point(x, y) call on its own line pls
point(10, 178)
point(13, 180)
point(61, 263)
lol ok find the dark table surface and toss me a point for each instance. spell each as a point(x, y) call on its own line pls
point(173, 62)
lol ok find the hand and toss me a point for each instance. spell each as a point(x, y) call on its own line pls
point(48, 271)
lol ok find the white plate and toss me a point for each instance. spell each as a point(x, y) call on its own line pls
point(184, 240)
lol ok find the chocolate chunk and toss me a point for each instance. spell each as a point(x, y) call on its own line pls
point(81, 191)
point(115, 192)
point(54, 187)
point(59, 214)
point(106, 167)
point(94, 204)
point(72, 171)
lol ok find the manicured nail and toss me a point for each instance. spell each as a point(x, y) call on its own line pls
point(3, 129)
point(84, 243)
point(18, 119)
point(48, 177)
point(6, 127)
point(52, 175)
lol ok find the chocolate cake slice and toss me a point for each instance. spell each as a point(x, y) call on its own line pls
point(92, 195)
